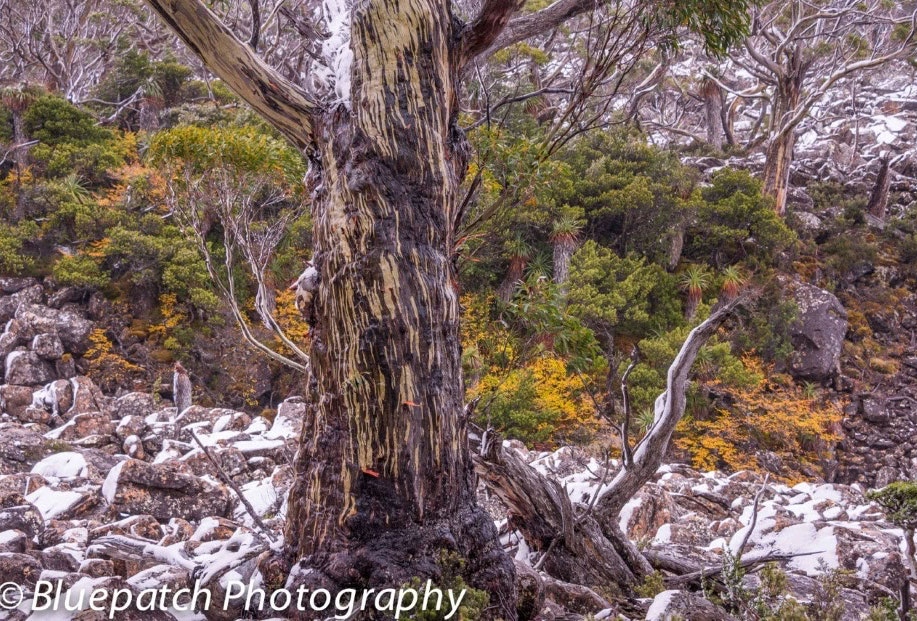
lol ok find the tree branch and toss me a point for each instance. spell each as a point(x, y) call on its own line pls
point(527, 26)
point(670, 407)
point(278, 100)
point(486, 27)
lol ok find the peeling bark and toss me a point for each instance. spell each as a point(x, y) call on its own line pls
point(779, 153)
point(384, 477)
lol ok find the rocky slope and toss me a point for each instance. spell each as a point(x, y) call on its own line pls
point(117, 492)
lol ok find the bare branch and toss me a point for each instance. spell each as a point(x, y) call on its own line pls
point(278, 100)
point(481, 33)
point(670, 407)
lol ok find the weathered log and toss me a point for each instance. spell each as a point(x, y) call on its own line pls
point(574, 547)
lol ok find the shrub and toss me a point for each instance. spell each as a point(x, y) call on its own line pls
point(13, 259)
point(623, 296)
point(772, 415)
point(79, 270)
point(736, 222)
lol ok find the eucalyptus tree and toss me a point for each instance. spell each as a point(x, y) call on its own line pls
point(796, 57)
point(384, 479)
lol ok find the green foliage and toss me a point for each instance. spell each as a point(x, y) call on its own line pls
point(54, 121)
point(899, 501)
point(70, 141)
point(621, 296)
point(736, 222)
point(203, 150)
point(13, 259)
point(721, 24)
point(652, 585)
point(158, 80)
point(634, 196)
point(157, 258)
point(80, 271)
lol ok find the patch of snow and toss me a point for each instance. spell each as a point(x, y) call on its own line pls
point(66, 465)
point(627, 511)
point(261, 495)
point(660, 604)
point(663, 535)
point(110, 486)
point(52, 503)
point(816, 544)
point(336, 50)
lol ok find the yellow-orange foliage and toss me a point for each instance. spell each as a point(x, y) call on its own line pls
point(774, 415)
point(106, 368)
point(290, 320)
point(530, 395)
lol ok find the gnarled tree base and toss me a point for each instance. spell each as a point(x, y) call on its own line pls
point(466, 545)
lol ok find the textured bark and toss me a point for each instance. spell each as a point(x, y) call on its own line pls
point(713, 112)
point(511, 280)
point(670, 407)
point(575, 548)
point(384, 477)
point(274, 97)
point(779, 153)
point(878, 200)
point(563, 252)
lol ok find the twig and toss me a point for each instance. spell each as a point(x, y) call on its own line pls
point(625, 395)
point(248, 507)
point(754, 518)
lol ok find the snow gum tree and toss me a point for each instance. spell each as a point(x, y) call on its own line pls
point(384, 478)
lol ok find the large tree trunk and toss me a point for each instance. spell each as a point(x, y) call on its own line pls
point(384, 480)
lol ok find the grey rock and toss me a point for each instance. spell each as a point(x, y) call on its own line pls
point(164, 491)
point(65, 295)
point(17, 513)
point(15, 399)
point(21, 569)
point(11, 284)
point(27, 369)
point(874, 412)
point(818, 333)
point(671, 605)
point(47, 346)
point(10, 305)
point(137, 404)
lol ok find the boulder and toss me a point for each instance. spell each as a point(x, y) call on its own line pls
point(86, 397)
point(137, 404)
point(163, 491)
point(684, 606)
point(817, 334)
point(56, 397)
point(10, 305)
point(650, 508)
point(15, 399)
point(27, 369)
point(47, 346)
point(11, 284)
point(17, 513)
point(21, 569)
point(11, 338)
point(92, 428)
point(72, 328)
